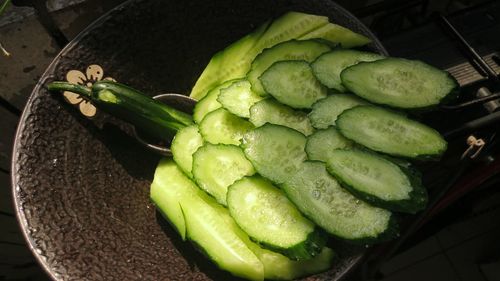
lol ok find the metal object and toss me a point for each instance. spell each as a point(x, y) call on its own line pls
point(492, 105)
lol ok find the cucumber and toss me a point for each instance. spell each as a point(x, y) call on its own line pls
point(293, 83)
point(273, 112)
point(238, 98)
point(307, 50)
point(235, 60)
point(209, 103)
point(377, 180)
point(320, 144)
point(324, 112)
point(400, 83)
point(337, 34)
point(327, 67)
point(221, 126)
point(266, 215)
point(390, 132)
point(275, 151)
point(184, 144)
point(215, 167)
point(189, 208)
point(321, 198)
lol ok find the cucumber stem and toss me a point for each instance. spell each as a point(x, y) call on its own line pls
point(66, 86)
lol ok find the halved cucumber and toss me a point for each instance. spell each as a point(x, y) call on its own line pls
point(221, 126)
point(337, 34)
point(198, 216)
point(320, 144)
point(275, 151)
point(209, 103)
point(324, 112)
point(265, 214)
point(400, 83)
point(273, 112)
point(307, 50)
point(390, 132)
point(377, 180)
point(327, 67)
point(321, 198)
point(238, 98)
point(292, 83)
point(185, 143)
point(215, 167)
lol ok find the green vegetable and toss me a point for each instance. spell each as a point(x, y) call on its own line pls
point(238, 98)
point(324, 112)
point(221, 126)
point(185, 143)
point(209, 103)
point(320, 144)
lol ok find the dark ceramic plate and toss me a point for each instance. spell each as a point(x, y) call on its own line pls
point(81, 186)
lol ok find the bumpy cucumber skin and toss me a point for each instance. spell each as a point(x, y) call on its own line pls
point(452, 94)
point(416, 202)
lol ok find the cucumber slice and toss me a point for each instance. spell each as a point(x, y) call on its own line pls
point(324, 112)
point(293, 83)
point(273, 112)
point(189, 208)
point(337, 34)
point(275, 151)
point(307, 50)
point(266, 215)
point(185, 143)
point(320, 144)
point(321, 198)
point(238, 98)
point(221, 126)
point(209, 103)
point(215, 167)
point(390, 132)
point(400, 83)
point(327, 67)
point(377, 180)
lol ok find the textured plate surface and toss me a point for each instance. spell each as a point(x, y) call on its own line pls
point(81, 186)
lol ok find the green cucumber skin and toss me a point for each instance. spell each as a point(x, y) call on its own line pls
point(416, 202)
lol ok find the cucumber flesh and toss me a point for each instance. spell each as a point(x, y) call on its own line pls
point(327, 67)
point(265, 214)
point(337, 34)
point(377, 180)
point(320, 144)
point(321, 198)
point(307, 50)
point(215, 167)
point(185, 143)
point(324, 112)
point(221, 126)
point(209, 103)
point(273, 112)
point(203, 224)
point(293, 83)
point(400, 83)
point(275, 151)
point(390, 132)
point(238, 98)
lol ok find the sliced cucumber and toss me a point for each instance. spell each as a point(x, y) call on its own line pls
point(327, 67)
point(185, 143)
point(292, 83)
point(307, 50)
point(320, 144)
point(266, 215)
point(215, 167)
point(273, 112)
point(377, 180)
point(191, 209)
point(221, 126)
point(209, 103)
point(275, 151)
point(238, 98)
point(321, 198)
point(390, 132)
point(400, 83)
point(337, 34)
point(324, 112)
